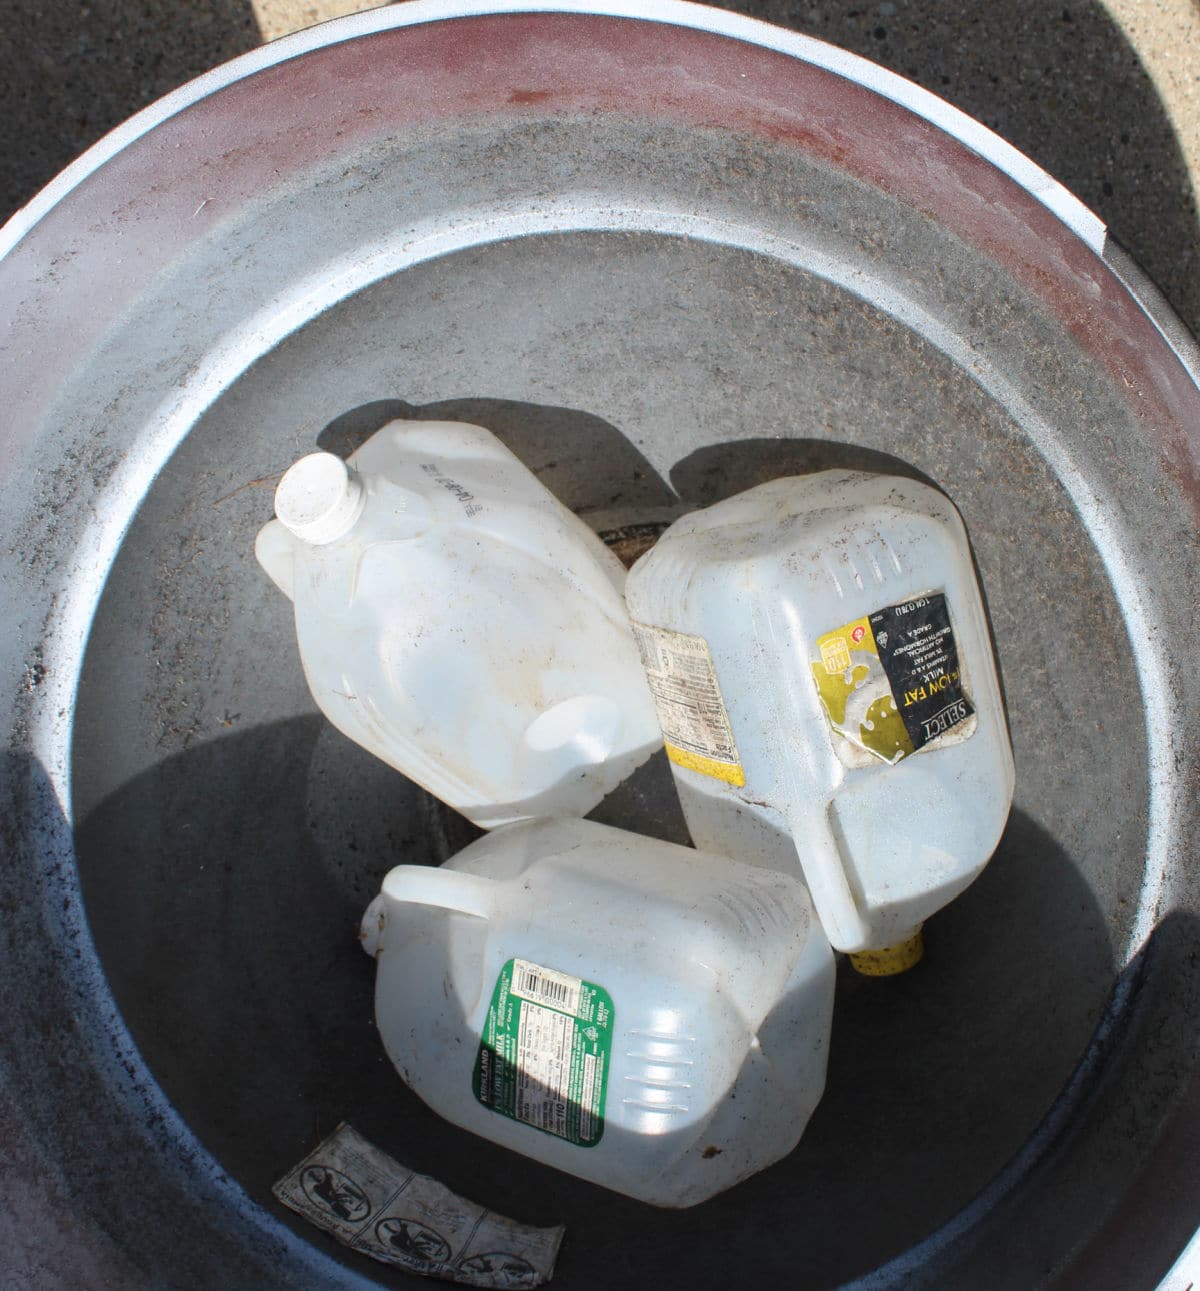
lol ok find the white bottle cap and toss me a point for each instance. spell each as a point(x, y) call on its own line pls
point(319, 498)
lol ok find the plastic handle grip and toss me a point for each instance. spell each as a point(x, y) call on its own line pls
point(447, 889)
point(825, 874)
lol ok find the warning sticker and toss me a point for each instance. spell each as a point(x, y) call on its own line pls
point(545, 1052)
point(691, 712)
point(373, 1204)
point(890, 682)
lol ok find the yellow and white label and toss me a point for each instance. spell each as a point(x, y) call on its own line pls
point(890, 682)
point(691, 712)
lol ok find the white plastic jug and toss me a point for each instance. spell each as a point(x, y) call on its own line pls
point(632, 1012)
point(455, 619)
point(819, 654)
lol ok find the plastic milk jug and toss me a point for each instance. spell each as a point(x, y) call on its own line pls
point(460, 623)
point(819, 654)
point(641, 1015)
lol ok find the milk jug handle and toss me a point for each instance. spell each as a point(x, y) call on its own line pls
point(276, 552)
point(825, 873)
point(447, 889)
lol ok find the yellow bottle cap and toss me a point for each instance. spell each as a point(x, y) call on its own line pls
point(890, 960)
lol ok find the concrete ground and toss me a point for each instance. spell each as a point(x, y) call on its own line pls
point(1105, 96)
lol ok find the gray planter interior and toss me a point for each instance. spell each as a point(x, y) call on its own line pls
point(662, 264)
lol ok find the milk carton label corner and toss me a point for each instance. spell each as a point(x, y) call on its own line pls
point(890, 682)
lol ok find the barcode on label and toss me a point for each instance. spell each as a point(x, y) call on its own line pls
point(545, 986)
point(652, 659)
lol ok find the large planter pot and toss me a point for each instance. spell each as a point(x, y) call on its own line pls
point(665, 253)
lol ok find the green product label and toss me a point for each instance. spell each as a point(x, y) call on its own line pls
point(545, 1052)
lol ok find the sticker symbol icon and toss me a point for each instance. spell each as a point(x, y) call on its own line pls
point(335, 1193)
point(414, 1239)
point(502, 1269)
point(835, 655)
point(882, 638)
point(857, 635)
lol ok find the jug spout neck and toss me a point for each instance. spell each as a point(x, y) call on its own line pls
point(888, 961)
point(319, 499)
point(370, 930)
